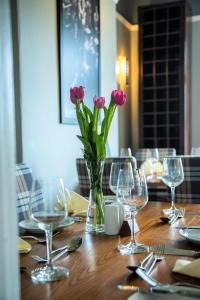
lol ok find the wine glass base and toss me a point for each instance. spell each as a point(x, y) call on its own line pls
point(48, 274)
point(170, 211)
point(132, 248)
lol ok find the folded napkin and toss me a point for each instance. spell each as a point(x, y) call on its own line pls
point(76, 204)
point(146, 166)
point(23, 246)
point(189, 268)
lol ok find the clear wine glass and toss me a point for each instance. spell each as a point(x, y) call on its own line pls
point(133, 194)
point(114, 173)
point(152, 157)
point(195, 151)
point(125, 152)
point(172, 176)
point(48, 216)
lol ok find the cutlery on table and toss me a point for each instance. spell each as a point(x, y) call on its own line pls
point(143, 262)
point(149, 261)
point(157, 287)
point(73, 245)
point(187, 227)
point(39, 240)
point(171, 219)
point(158, 255)
point(178, 252)
point(164, 288)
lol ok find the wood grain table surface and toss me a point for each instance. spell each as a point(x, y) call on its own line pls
point(97, 267)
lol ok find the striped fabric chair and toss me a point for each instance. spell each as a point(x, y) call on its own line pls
point(24, 179)
point(84, 184)
point(189, 190)
point(155, 193)
point(141, 154)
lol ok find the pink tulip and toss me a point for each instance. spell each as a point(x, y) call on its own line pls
point(77, 94)
point(119, 98)
point(99, 102)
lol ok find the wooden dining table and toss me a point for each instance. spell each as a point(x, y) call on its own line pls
point(97, 267)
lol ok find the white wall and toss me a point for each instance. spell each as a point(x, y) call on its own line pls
point(50, 148)
point(195, 122)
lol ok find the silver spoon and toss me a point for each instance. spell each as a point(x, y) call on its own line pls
point(74, 244)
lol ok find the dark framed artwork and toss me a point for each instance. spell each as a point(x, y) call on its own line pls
point(78, 39)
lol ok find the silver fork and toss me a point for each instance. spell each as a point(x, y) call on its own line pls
point(159, 255)
point(177, 214)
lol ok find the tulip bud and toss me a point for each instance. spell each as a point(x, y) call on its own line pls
point(77, 94)
point(99, 102)
point(118, 97)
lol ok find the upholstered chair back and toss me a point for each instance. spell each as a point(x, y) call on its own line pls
point(189, 190)
point(141, 154)
point(24, 179)
point(84, 183)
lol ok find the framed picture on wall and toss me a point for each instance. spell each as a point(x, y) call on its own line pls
point(78, 39)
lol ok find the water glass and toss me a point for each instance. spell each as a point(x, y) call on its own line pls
point(195, 151)
point(125, 152)
point(114, 173)
point(132, 193)
point(48, 216)
point(172, 176)
point(152, 157)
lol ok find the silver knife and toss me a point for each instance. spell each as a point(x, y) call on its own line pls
point(188, 227)
point(163, 288)
point(194, 213)
point(177, 251)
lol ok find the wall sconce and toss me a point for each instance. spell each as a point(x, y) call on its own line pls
point(122, 70)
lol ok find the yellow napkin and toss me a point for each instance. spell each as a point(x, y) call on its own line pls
point(146, 166)
point(76, 204)
point(186, 267)
point(23, 246)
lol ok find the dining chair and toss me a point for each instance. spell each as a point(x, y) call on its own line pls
point(156, 193)
point(141, 153)
point(24, 179)
point(189, 190)
point(83, 178)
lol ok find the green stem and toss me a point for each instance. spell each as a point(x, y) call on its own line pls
point(95, 169)
point(111, 112)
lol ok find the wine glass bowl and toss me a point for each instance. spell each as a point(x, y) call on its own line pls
point(125, 152)
point(114, 173)
point(152, 157)
point(47, 216)
point(172, 176)
point(133, 194)
point(195, 151)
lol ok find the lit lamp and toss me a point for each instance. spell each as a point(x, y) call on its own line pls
point(122, 71)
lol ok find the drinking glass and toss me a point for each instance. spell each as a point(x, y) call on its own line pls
point(133, 194)
point(152, 157)
point(195, 151)
point(125, 152)
point(48, 216)
point(172, 176)
point(114, 173)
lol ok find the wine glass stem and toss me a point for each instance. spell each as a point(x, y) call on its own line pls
point(173, 197)
point(48, 233)
point(133, 241)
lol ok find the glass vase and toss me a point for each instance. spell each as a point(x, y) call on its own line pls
point(95, 212)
